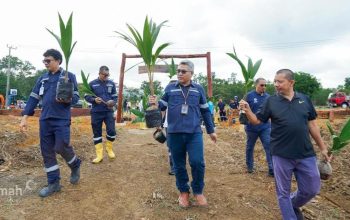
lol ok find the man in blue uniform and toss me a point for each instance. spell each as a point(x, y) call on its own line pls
point(185, 101)
point(102, 111)
point(222, 111)
point(293, 120)
point(255, 98)
point(55, 120)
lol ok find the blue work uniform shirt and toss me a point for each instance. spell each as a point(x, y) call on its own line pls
point(290, 136)
point(106, 90)
point(45, 90)
point(255, 100)
point(174, 98)
point(221, 106)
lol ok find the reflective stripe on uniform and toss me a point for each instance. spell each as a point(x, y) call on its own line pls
point(111, 136)
point(163, 102)
point(53, 168)
point(72, 160)
point(34, 95)
point(98, 138)
point(204, 105)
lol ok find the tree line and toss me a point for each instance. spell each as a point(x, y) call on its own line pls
point(23, 76)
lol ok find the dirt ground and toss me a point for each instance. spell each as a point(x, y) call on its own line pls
point(136, 185)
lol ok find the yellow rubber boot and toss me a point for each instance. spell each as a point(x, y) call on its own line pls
point(109, 149)
point(99, 153)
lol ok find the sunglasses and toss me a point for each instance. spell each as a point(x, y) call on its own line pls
point(182, 71)
point(262, 85)
point(47, 61)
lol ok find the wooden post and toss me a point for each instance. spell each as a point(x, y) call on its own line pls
point(120, 92)
point(210, 86)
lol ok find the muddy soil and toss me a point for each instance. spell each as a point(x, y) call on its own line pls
point(136, 185)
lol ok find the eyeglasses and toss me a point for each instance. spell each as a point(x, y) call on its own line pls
point(182, 71)
point(262, 85)
point(47, 61)
point(105, 74)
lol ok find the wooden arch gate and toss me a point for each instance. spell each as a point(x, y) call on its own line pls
point(185, 56)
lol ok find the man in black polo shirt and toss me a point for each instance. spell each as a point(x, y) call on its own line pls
point(293, 118)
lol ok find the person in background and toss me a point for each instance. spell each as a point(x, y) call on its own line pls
point(211, 109)
point(102, 111)
point(255, 98)
point(222, 110)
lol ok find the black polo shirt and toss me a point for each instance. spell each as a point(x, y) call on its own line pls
point(290, 136)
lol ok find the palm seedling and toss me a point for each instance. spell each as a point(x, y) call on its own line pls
point(87, 90)
point(65, 88)
point(145, 43)
point(249, 73)
point(340, 140)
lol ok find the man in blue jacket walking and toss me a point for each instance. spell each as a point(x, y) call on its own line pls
point(102, 111)
point(55, 120)
point(185, 101)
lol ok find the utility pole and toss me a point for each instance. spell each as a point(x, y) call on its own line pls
point(8, 74)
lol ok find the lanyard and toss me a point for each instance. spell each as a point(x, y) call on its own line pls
point(185, 97)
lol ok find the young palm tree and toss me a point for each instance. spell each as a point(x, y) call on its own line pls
point(339, 142)
point(145, 44)
point(248, 74)
point(65, 41)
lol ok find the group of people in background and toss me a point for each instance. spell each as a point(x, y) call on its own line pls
point(283, 122)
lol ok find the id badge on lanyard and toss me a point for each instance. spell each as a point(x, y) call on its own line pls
point(184, 107)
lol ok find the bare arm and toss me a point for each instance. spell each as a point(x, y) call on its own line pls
point(243, 105)
point(315, 134)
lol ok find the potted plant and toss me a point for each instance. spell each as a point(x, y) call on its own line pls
point(339, 142)
point(145, 44)
point(64, 87)
point(249, 73)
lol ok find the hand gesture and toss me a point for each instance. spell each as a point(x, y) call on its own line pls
point(60, 100)
point(213, 137)
point(23, 124)
point(152, 100)
point(243, 105)
point(98, 100)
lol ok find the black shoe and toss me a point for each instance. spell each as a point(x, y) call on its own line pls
point(298, 213)
point(270, 173)
point(250, 170)
point(75, 175)
point(50, 189)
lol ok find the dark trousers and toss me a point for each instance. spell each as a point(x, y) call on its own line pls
point(97, 118)
point(252, 136)
point(55, 138)
point(180, 144)
point(222, 115)
point(308, 182)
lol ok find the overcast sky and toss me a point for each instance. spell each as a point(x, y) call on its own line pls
point(311, 36)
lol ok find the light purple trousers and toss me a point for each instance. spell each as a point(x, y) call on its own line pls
point(308, 182)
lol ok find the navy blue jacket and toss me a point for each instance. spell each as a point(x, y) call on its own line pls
point(105, 90)
point(255, 100)
point(50, 107)
point(221, 106)
point(173, 100)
